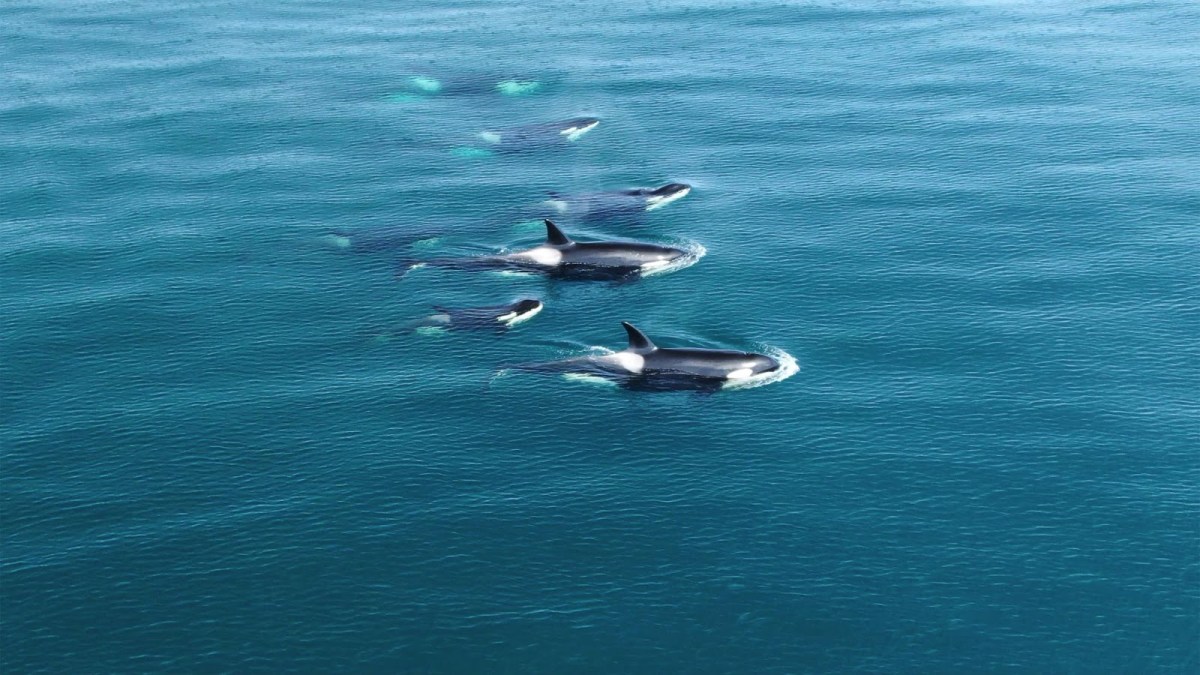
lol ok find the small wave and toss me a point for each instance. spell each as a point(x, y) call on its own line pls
point(693, 252)
point(787, 368)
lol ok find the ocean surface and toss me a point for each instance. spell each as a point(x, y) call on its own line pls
point(974, 225)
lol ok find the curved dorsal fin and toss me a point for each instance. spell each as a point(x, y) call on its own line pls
point(638, 342)
point(555, 236)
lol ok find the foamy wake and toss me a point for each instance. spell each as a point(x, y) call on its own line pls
point(693, 252)
point(787, 368)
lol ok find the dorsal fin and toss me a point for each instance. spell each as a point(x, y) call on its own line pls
point(555, 236)
point(638, 342)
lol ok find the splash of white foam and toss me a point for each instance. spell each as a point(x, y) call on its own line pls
point(693, 252)
point(787, 368)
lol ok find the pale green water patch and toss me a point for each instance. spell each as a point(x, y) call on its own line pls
point(518, 87)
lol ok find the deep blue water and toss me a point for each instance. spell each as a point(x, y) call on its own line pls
point(975, 225)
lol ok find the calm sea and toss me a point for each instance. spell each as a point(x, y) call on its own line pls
point(975, 226)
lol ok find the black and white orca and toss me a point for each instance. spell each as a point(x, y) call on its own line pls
point(644, 366)
point(498, 318)
point(561, 257)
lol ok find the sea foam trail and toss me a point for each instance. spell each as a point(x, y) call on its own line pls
point(693, 252)
point(788, 367)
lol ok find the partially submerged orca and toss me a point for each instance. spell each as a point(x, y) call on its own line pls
point(538, 136)
point(561, 257)
point(380, 240)
point(613, 204)
point(498, 318)
point(644, 366)
point(439, 82)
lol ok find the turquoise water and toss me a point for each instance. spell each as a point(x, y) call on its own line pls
point(973, 224)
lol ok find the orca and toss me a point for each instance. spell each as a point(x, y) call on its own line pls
point(430, 82)
point(646, 367)
point(615, 204)
point(381, 239)
point(539, 136)
point(563, 258)
point(497, 318)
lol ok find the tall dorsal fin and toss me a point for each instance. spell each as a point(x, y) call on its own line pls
point(555, 236)
point(638, 342)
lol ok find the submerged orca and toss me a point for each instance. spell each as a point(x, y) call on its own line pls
point(440, 82)
point(380, 240)
point(561, 257)
point(617, 203)
point(537, 136)
point(645, 366)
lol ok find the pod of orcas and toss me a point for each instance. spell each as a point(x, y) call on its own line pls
point(642, 365)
